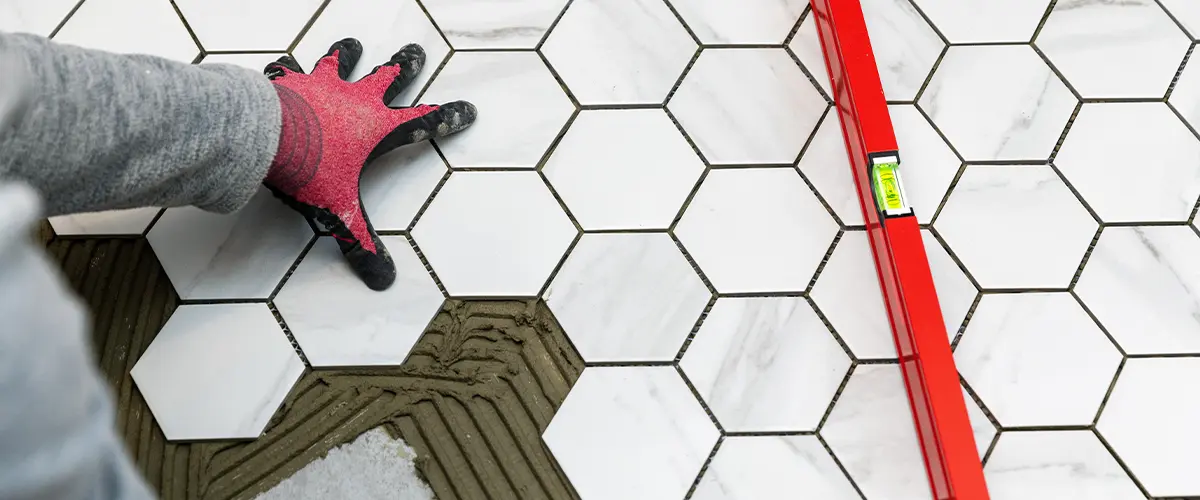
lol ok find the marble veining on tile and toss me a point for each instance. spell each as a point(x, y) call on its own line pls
point(396, 185)
point(480, 24)
point(129, 222)
point(904, 45)
point(974, 21)
point(130, 27)
point(765, 364)
point(38, 17)
point(247, 24)
point(1056, 464)
point(742, 22)
point(627, 297)
point(761, 467)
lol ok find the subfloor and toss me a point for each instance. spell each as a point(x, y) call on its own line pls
point(655, 213)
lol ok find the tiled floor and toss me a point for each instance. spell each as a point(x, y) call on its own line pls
point(667, 176)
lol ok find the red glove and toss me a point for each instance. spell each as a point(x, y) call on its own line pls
point(332, 128)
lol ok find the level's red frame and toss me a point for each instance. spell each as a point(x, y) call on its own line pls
point(939, 411)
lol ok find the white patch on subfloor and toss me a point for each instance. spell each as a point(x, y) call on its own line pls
point(372, 467)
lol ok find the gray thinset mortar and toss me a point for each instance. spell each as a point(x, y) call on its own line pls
point(473, 398)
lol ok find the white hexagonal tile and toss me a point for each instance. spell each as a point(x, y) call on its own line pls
point(522, 108)
point(1056, 464)
point(383, 27)
point(1114, 49)
point(904, 45)
point(483, 24)
point(623, 169)
point(619, 53)
point(1143, 284)
point(255, 61)
point(340, 322)
point(757, 467)
point(39, 17)
point(1016, 227)
point(747, 106)
point(1013, 354)
point(765, 364)
point(1187, 12)
point(627, 297)
point(494, 233)
point(631, 433)
point(756, 230)
point(981, 428)
point(247, 24)
point(827, 166)
point(974, 21)
point(130, 27)
point(217, 371)
point(998, 102)
point(1107, 138)
point(746, 22)
point(928, 163)
point(871, 431)
point(955, 291)
point(129, 222)
point(1150, 422)
point(807, 47)
point(242, 255)
point(396, 185)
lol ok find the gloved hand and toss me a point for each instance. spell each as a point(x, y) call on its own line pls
point(332, 128)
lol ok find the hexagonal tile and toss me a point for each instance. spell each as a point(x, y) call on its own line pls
point(1013, 353)
point(396, 185)
point(112, 222)
point(217, 371)
point(933, 163)
point(827, 166)
point(247, 24)
point(1016, 227)
point(955, 291)
point(632, 433)
point(755, 467)
point(340, 322)
point(807, 47)
point(975, 21)
point(1114, 49)
point(481, 24)
point(383, 27)
point(619, 53)
point(627, 297)
point(494, 233)
point(623, 169)
point(981, 428)
point(747, 106)
point(870, 430)
point(1151, 424)
point(747, 22)
point(998, 102)
point(255, 61)
point(1056, 464)
point(39, 17)
point(765, 364)
point(756, 230)
point(1107, 138)
point(130, 27)
point(1143, 284)
point(242, 255)
point(523, 108)
point(1186, 12)
point(905, 47)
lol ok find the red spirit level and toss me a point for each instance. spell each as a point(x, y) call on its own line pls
point(934, 394)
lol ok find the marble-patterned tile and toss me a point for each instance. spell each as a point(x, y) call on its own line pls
point(1016, 227)
point(904, 45)
point(981, 428)
point(1056, 464)
point(242, 255)
point(1143, 285)
point(1187, 12)
point(522, 108)
point(1130, 48)
point(255, 61)
point(747, 106)
point(629, 52)
point(39, 17)
point(494, 233)
point(396, 185)
point(129, 222)
point(1150, 421)
point(217, 372)
point(623, 169)
point(482, 24)
point(765, 364)
point(956, 293)
point(247, 24)
point(756, 230)
point(1106, 139)
point(1036, 359)
point(807, 47)
point(383, 27)
point(759, 467)
point(130, 27)
point(633, 433)
point(975, 21)
point(339, 322)
point(627, 297)
point(927, 162)
point(827, 166)
point(743, 22)
point(998, 103)
point(871, 431)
